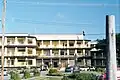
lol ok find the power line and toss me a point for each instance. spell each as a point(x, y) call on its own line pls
point(50, 23)
point(62, 4)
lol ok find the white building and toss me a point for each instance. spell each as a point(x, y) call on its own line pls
point(57, 50)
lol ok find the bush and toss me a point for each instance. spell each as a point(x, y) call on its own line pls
point(14, 76)
point(65, 78)
point(55, 74)
point(53, 71)
point(100, 69)
point(36, 72)
point(26, 74)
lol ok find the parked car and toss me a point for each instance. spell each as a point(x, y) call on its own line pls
point(83, 68)
point(69, 69)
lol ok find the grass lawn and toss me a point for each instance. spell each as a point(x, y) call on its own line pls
point(48, 78)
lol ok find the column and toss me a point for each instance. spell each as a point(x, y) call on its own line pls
point(5, 63)
point(34, 41)
point(59, 52)
point(5, 41)
point(34, 51)
point(67, 43)
point(26, 60)
point(16, 51)
point(26, 50)
point(42, 52)
point(16, 40)
point(68, 61)
point(51, 52)
point(15, 62)
point(68, 52)
point(59, 44)
point(41, 43)
point(102, 63)
point(84, 55)
point(76, 51)
point(5, 51)
point(9, 63)
point(42, 64)
point(26, 40)
point(51, 61)
point(83, 45)
point(51, 43)
point(34, 62)
point(75, 44)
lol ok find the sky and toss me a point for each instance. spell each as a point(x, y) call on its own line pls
point(60, 16)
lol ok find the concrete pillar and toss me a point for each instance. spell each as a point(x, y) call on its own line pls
point(59, 43)
point(34, 62)
point(42, 64)
point(15, 62)
point(51, 61)
point(75, 44)
point(59, 52)
point(5, 40)
point(8, 62)
point(51, 52)
point(5, 63)
point(26, 40)
point(67, 43)
point(26, 50)
point(51, 43)
point(34, 41)
point(42, 53)
point(68, 61)
point(68, 52)
point(16, 51)
point(16, 40)
point(75, 51)
point(5, 51)
point(41, 43)
point(34, 51)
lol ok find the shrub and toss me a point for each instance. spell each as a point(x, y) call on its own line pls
point(26, 74)
point(14, 76)
point(65, 78)
point(100, 69)
point(53, 71)
point(55, 74)
point(36, 72)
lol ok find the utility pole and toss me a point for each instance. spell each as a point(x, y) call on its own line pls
point(111, 67)
point(3, 38)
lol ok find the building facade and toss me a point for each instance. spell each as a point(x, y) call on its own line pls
point(58, 50)
point(98, 55)
point(20, 50)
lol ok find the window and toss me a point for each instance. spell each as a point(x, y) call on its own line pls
point(71, 44)
point(29, 40)
point(29, 62)
point(21, 49)
point(12, 62)
point(21, 60)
